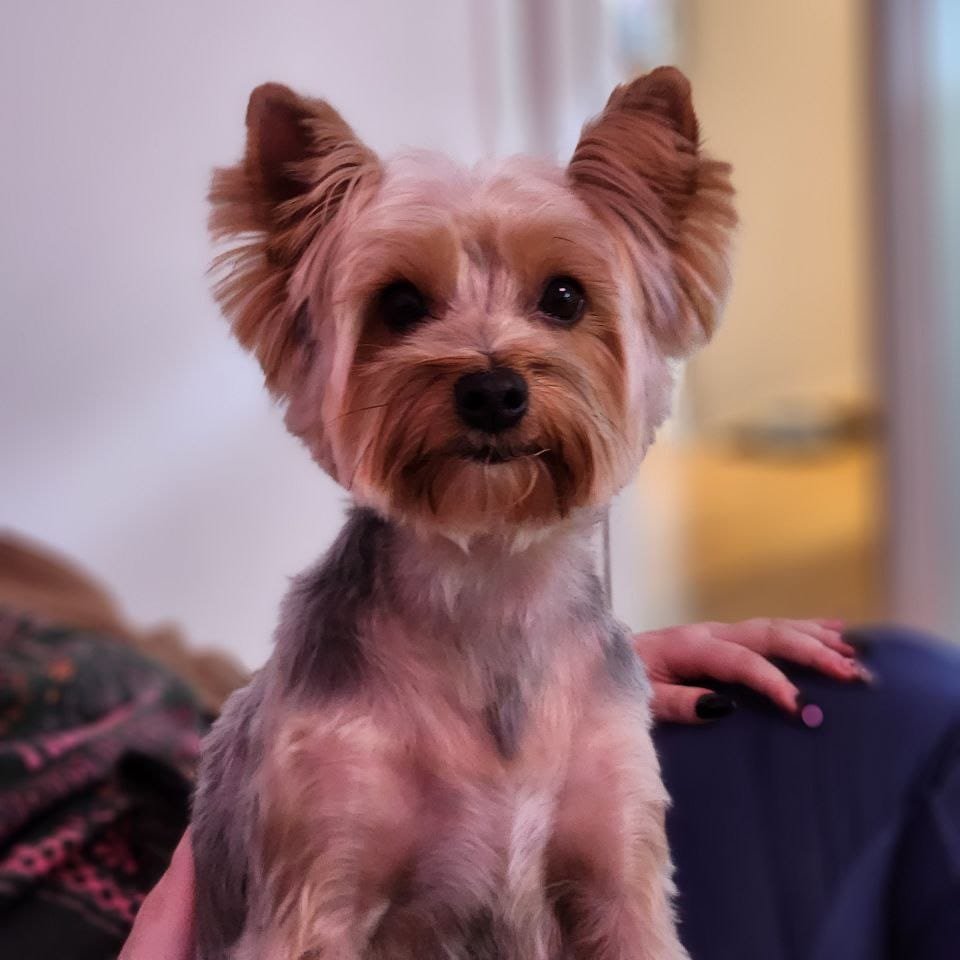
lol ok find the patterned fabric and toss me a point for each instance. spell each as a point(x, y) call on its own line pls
point(97, 750)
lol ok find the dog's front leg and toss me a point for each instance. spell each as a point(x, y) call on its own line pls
point(609, 865)
point(337, 815)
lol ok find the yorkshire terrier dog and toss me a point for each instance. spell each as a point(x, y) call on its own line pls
point(448, 753)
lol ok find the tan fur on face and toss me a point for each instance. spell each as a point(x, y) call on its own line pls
point(398, 410)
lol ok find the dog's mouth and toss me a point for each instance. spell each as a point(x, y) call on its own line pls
point(491, 455)
point(552, 484)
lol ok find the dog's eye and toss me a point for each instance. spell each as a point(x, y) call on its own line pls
point(402, 306)
point(562, 301)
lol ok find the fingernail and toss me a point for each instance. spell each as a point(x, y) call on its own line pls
point(863, 673)
point(713, 706)
point(856, 670)
point(810, 714)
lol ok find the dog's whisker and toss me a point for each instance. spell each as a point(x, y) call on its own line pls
point(356, 465)
point(534, 477)
point(347, 413)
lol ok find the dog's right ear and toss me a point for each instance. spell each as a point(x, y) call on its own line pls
point(302, 167)
point(640, 168)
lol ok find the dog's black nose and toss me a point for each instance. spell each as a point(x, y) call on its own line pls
point(491, 400)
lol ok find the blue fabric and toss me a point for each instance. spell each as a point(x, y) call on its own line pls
point(840, 843)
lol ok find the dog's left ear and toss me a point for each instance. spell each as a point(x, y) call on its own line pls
point(639, 167)
point(303, 172)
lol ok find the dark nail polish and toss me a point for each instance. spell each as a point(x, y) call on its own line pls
point(713, 706)
point(810, 714)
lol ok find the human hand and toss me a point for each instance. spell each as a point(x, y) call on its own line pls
point(739, 653)
point(163, 929)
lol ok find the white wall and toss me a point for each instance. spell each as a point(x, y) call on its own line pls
point(134, 434)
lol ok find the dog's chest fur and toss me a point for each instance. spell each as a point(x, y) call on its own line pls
point(424, 745)
point(464, 794)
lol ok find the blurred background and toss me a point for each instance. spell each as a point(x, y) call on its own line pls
point(813, 467)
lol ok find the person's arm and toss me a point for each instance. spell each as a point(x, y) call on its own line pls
point(163, 929)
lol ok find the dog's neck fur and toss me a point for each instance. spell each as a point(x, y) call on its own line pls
point(482, 613)
point(498, 579)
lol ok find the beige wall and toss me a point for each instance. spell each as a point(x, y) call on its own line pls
point(780, 89)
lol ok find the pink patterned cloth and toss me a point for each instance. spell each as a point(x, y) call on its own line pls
point(97, 751)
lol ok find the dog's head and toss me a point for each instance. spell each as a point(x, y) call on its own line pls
point(475, 349)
